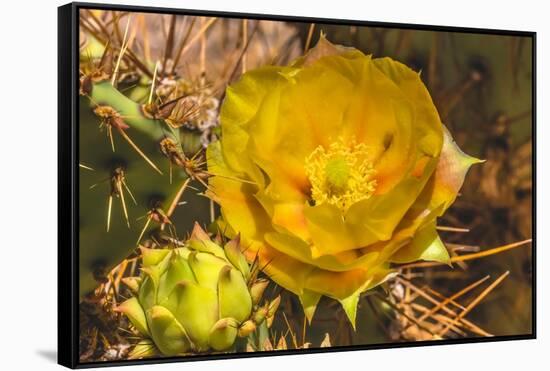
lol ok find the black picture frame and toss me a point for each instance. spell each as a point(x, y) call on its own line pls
point(68, 208)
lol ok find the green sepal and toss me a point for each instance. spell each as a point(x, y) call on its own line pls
point(206, 268)
point(133, 310)
point(206, 246)
point(196, 309)
point(178, 270)
point(257, 290)
point(223, 334)
point(151, 257)
point(133, 283)
point(147, 292)
point(235, 256)
point(259, 315)
point(153, 274)
point(246, 328)
point(350, 307)
point(168, 334)
point(144, 349)
point(200, 241)
point(273, 306)
point(234, 298)
point(309, 300)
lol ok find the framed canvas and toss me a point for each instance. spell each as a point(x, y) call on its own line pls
point(240, 185)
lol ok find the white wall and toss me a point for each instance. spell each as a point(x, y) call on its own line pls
point(28, 182)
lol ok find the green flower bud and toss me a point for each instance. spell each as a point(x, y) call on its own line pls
point(194, 298)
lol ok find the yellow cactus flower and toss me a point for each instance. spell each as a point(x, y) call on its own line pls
point(333, 168)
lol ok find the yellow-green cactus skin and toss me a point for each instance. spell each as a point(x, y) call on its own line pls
point(195, 298)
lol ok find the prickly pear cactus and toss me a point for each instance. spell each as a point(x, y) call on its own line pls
point(196, 298)
point(133, 166)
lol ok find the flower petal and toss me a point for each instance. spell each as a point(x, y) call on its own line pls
point(277, 116)
point(323, 48)
point(238, 206)
point(328, 230)
point(330, 283)
point(301, 251)
point(450, 172)
point(404, 233)
point(286, 271)
point(290, 217)
point(241, 103)
point(382, 214)
point(425, 245)
point(427, 117)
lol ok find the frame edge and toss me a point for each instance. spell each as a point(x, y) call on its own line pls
point(68, 295)
point(67, 323)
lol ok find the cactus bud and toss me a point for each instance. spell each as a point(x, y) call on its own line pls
point(257, 290)
point(194, 298)
point(247, 328)
point(260, 315)
point(132, 283)
point(273, 306)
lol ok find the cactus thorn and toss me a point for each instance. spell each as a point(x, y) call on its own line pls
point(109, 208)
point(123, 49)
point(123, 202)
point(86, 167)
point(177, 198)
point(129, 192)
point(143, 230)
point(138, 150)
point(150, 100)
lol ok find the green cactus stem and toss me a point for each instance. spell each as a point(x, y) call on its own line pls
point(110, 205)
point(103, 93)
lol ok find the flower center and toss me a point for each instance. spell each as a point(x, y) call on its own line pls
point(340, 175)
point(337, 172)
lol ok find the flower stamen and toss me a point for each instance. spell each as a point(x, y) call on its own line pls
point(340, 175)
